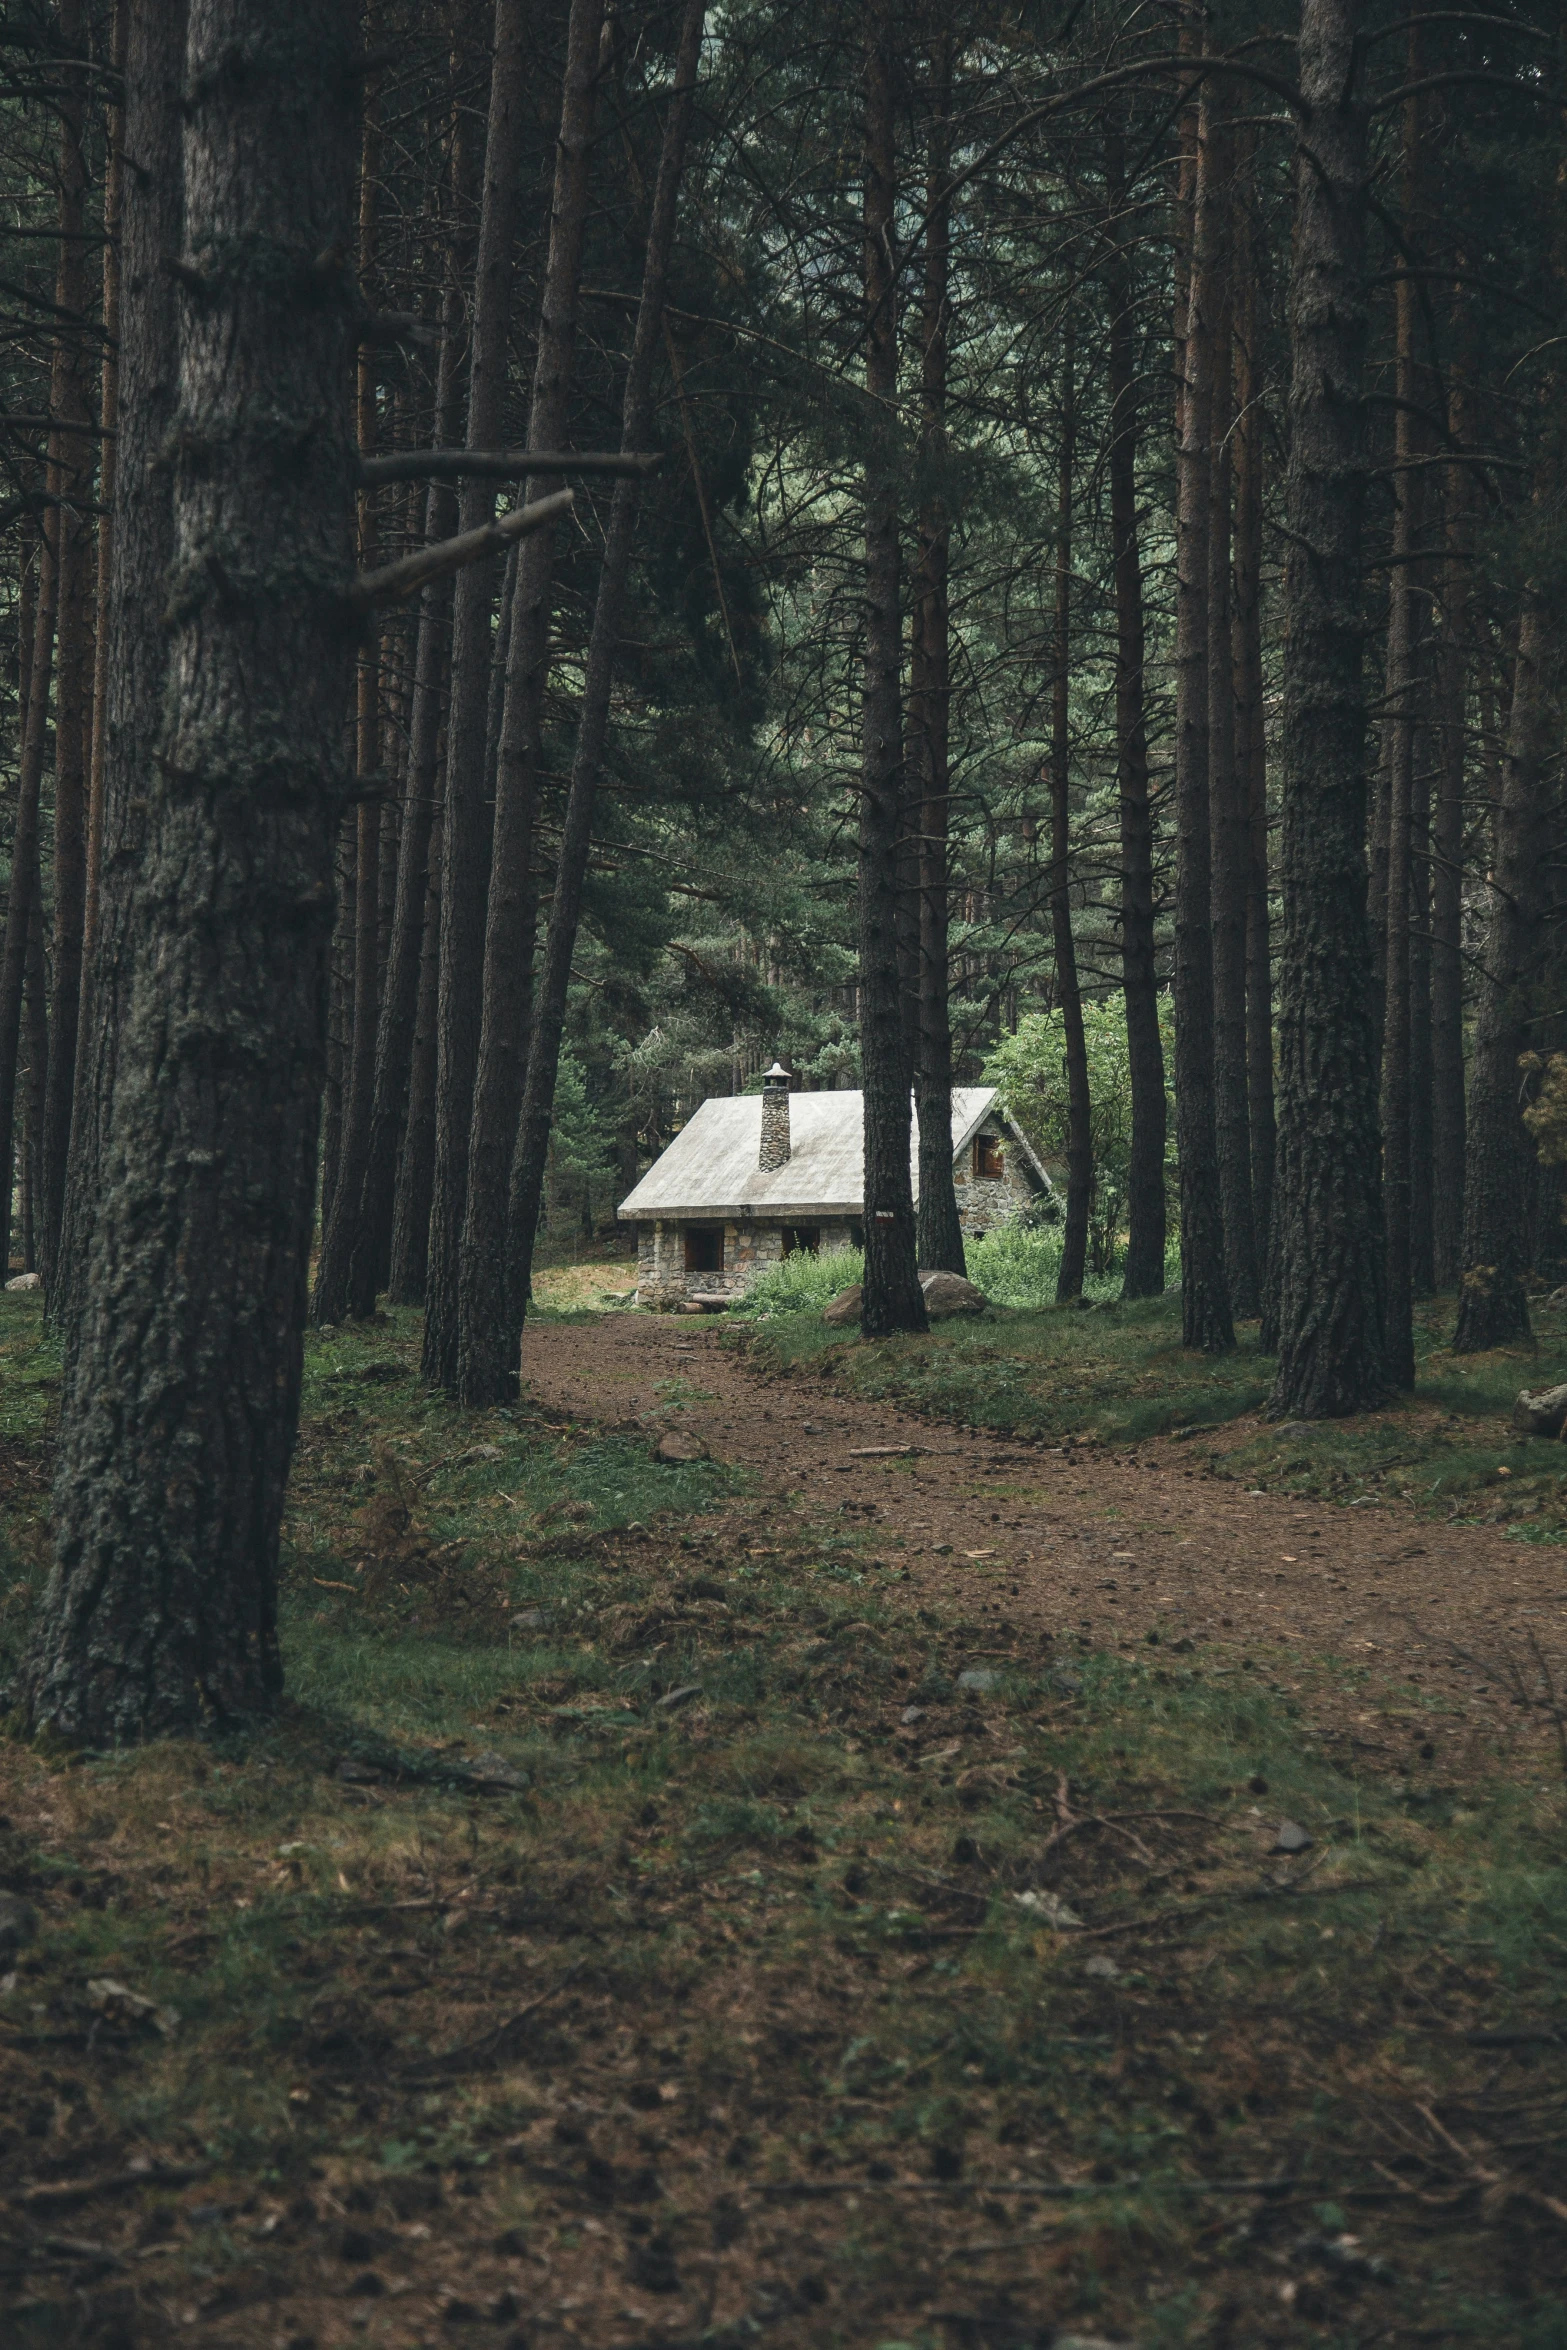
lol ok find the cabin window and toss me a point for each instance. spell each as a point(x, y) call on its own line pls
point(802, 1239)
point(990, 1163)
point(704, 1248)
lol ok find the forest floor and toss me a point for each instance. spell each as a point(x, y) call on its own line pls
point(888, 1883)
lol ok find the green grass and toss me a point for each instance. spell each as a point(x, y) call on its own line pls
point(742, 1986)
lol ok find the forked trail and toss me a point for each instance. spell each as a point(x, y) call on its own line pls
point(1126, 1549)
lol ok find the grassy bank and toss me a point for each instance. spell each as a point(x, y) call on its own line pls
point(1117, 1374)
point(644, 1928)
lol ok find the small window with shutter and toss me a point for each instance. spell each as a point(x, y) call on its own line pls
point(990, 1164)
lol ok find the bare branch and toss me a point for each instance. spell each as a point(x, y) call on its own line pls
point(499, 464)
point(396, 581)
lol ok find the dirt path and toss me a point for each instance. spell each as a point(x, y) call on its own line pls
point(1110, 1549)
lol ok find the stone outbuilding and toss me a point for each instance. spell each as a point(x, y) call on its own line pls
point(750, 1179)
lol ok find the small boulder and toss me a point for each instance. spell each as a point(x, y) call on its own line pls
point(675, 1449)
point(25, 1281)
point(844, 1309)
point(1540, 1413)
point(949, 1293)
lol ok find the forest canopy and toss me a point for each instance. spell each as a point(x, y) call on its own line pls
point(557, 554)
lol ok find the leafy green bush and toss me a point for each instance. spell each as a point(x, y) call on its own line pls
point(802, 1282)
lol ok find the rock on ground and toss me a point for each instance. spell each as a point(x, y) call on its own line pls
point(844, 1308)
point(1541, 1413)
point(675, 1448)
point(25, 1281)
point(949, 1293)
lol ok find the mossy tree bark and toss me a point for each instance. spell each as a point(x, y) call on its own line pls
point(179, 1423)
point(1328, 1256)
point(136, 656)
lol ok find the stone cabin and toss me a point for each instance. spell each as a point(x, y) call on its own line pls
point(750, 1179)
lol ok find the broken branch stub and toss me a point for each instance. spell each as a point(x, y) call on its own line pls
point(396, 581)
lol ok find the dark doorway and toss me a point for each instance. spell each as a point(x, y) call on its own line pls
point(704, 1249)
point(802, 1239)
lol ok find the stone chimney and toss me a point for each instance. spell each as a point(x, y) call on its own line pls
point(774, 1152)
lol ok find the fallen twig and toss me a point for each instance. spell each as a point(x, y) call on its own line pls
point(60, 2194)
point(490, 2046)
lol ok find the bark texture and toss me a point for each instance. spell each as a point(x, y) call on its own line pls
point(1205, 1300)
point(487, 1337)
point(891, 1295)
point(939, 1234)
point(178, 1426)
point(466, 832)
point(1069, 993)
point(1145, 1245)
point(1327, 1207)
point(549, 1018)
point(138, 644)
point(1493, 1308)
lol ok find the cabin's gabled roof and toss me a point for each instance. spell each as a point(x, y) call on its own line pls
point(710, 1168)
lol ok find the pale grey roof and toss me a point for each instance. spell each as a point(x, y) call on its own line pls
point(710, 1168)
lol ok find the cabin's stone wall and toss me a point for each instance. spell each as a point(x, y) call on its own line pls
point(985, 1201)
point(664, 1283)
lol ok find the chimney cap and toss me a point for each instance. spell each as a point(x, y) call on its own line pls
point(777, 1071)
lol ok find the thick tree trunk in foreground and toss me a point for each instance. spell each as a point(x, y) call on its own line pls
point(72, 463)
point(1493, 1307)
point(549, 1015)
point(892, 1297)
point(136, 658)
point(487, 1336)
point(466, 833)
point(938, 1232)
point(1069, 994)
point(24, 908)
point(1327, 1203)
point(1205, 1300)
point(178, 1427)
point(1144, 1272)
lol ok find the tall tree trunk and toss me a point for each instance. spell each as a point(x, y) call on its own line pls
point(1205, 1299)
point(177, 1429)
point(341, 1207)
point(72, 461)
point(136, 657)
point(1145, 1246)
point(549, 1013)
point(1069, 994)
point(408, 1262)
point(488, 1333)
point(1422, 1276)
point(108, 418)
point(24, 908)
point(938, 1231)
point(1251, 748)
point(399, 1163)
point(1229, 812)
point(892, 1297)
point(466, 832)
point(1493, 1307)
point(1398, 767)
point(1447, 863)
point(1327, 1206)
